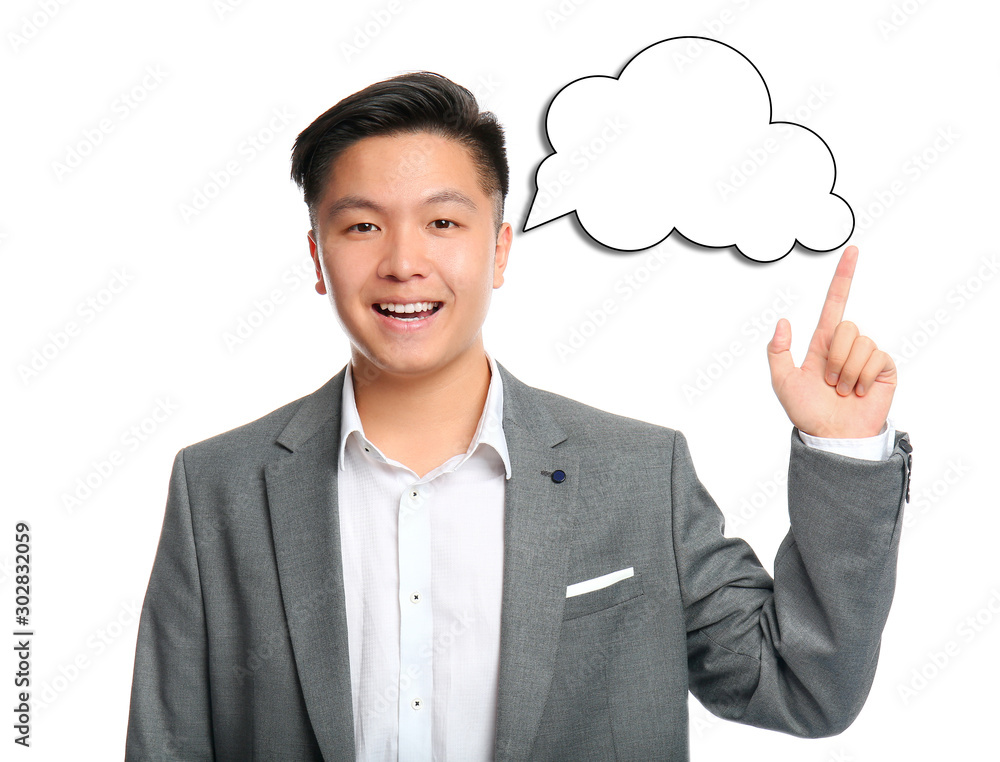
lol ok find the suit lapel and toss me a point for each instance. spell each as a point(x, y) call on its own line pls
point(537, 527)
point(302, 500)
point(538, 521)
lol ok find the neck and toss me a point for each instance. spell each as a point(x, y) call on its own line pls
point(422, 420)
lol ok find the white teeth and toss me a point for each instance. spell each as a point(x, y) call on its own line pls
point(401, 309)
point(411, 307)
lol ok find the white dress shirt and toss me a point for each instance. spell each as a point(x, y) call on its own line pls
point(423, 580)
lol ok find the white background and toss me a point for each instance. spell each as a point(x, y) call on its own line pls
point(896, 74)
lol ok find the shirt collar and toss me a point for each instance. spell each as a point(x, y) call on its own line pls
point(489, 431)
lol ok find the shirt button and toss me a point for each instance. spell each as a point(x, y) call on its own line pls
point(415, 598)
point(417, 703)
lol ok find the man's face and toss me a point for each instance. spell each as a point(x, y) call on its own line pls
point(406, 248)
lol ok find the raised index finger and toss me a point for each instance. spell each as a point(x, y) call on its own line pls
point(836, 296)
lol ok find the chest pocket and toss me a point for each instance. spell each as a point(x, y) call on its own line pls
point(605, 598)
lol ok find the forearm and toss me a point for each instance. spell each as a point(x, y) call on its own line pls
point(833, 586)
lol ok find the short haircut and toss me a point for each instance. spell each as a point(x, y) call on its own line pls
point(408, 103)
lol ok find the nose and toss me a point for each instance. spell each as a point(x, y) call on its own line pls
point(405, 255)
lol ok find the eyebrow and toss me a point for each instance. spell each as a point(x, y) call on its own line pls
point(451, 196)
point(444, 196)
point(352, 202)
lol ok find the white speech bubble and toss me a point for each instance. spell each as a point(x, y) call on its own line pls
point(683, 140)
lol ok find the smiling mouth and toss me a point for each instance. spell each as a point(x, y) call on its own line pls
point(409, 311)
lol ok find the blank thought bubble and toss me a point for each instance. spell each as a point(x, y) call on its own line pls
point(683, 140)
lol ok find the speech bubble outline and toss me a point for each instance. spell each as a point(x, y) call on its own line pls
point(828, 214)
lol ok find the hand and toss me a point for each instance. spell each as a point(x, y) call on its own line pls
point(845, 384)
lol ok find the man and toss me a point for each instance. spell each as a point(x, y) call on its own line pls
point(427, 559)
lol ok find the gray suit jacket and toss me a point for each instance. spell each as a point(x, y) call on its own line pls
point(242, 648)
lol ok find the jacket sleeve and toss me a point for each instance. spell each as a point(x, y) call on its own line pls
point(796, 653)
point(170, 713)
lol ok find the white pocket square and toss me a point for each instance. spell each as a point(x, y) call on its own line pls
point(598, 583)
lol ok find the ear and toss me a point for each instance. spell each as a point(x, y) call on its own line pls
point(504, 240)
point(314, 253)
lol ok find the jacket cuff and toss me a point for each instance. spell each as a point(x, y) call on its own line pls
point(878, 447)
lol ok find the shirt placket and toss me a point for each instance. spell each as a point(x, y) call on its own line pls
point(416, 624)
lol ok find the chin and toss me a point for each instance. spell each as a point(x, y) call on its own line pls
point(403, 366)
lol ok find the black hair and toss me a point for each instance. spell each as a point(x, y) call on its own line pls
point(415, 102)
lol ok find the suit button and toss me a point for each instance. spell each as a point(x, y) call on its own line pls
point(559, 476)
point(905, 446)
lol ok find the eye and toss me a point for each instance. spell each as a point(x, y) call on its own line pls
point(363, 227)
point(443, 224)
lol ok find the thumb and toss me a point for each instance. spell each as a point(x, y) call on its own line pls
point(779, 354)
